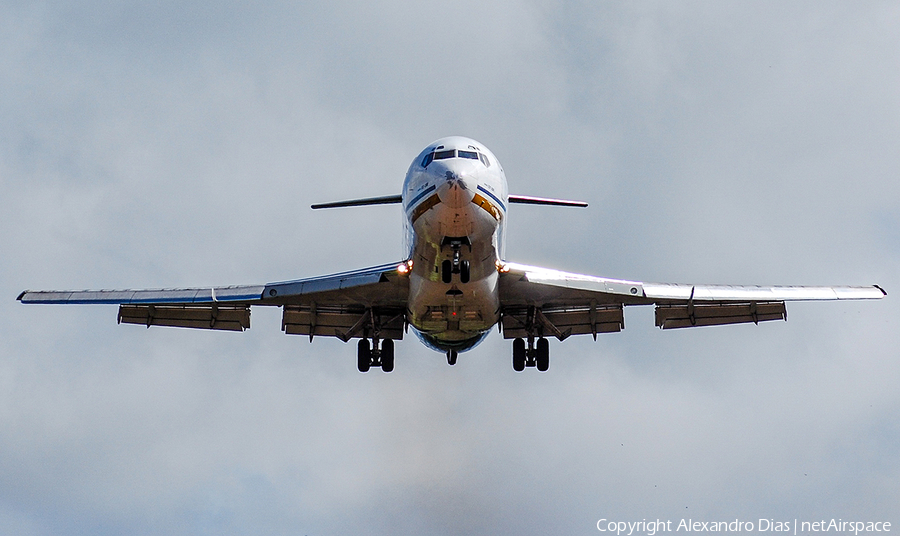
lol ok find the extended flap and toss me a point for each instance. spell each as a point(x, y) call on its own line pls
point(690, 315)
point(227, 318)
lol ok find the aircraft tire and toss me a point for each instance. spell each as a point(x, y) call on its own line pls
point(363, 355)
point(451, 357)
point(518, 355)
point(464, 272)
point(387, 355)
point(543, 355)
point(446, 271)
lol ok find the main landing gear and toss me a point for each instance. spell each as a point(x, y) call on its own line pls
point(532, 356)
point(367, 356)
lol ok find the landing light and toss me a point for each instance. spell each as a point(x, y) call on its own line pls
point(501, 266)
point(404, 267)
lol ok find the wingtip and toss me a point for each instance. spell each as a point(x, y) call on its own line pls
point(881, 289)
point(21, 295)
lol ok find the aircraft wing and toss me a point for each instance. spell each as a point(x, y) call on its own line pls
point(550, 302)
point(342, 305)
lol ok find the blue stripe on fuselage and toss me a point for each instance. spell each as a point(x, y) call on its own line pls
point(492, 196)
point(422, 194)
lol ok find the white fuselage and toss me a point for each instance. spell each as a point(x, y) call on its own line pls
point(454, 198)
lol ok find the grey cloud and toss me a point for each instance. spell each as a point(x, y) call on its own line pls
point(178, 145)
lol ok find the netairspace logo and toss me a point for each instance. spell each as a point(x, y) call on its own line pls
point(652, 528)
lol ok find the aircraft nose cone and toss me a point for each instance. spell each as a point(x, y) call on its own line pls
point(457, 189)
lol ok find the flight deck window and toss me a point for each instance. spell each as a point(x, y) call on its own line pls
point(468, 154)
point(484, 160)
point(441, 155)
point(427, 160)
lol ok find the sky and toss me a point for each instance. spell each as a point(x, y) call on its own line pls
point(168, 144)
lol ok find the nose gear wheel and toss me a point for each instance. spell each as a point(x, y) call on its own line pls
point(455, 265)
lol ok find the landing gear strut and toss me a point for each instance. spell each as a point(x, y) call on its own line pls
point(370, 355)
point(533, 356)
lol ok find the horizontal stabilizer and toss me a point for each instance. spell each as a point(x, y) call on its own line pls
point(528, 200)
point(383, 200)
point(390, 199)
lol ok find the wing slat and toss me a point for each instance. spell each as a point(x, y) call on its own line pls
point(149, 296)
point(668, 291)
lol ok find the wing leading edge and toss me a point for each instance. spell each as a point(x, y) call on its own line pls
point(181, 296)
point(563, 304)
point(341, 305)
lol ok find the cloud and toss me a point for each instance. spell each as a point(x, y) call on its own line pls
point(176, 144)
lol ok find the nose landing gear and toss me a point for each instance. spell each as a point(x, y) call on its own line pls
point(448, 269)
point(455, 265)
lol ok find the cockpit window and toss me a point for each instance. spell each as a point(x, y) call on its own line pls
point(453, 153)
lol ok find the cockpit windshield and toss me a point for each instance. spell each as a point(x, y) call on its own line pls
point(453, 153)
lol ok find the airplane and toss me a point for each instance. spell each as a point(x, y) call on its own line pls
point(455, 283)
